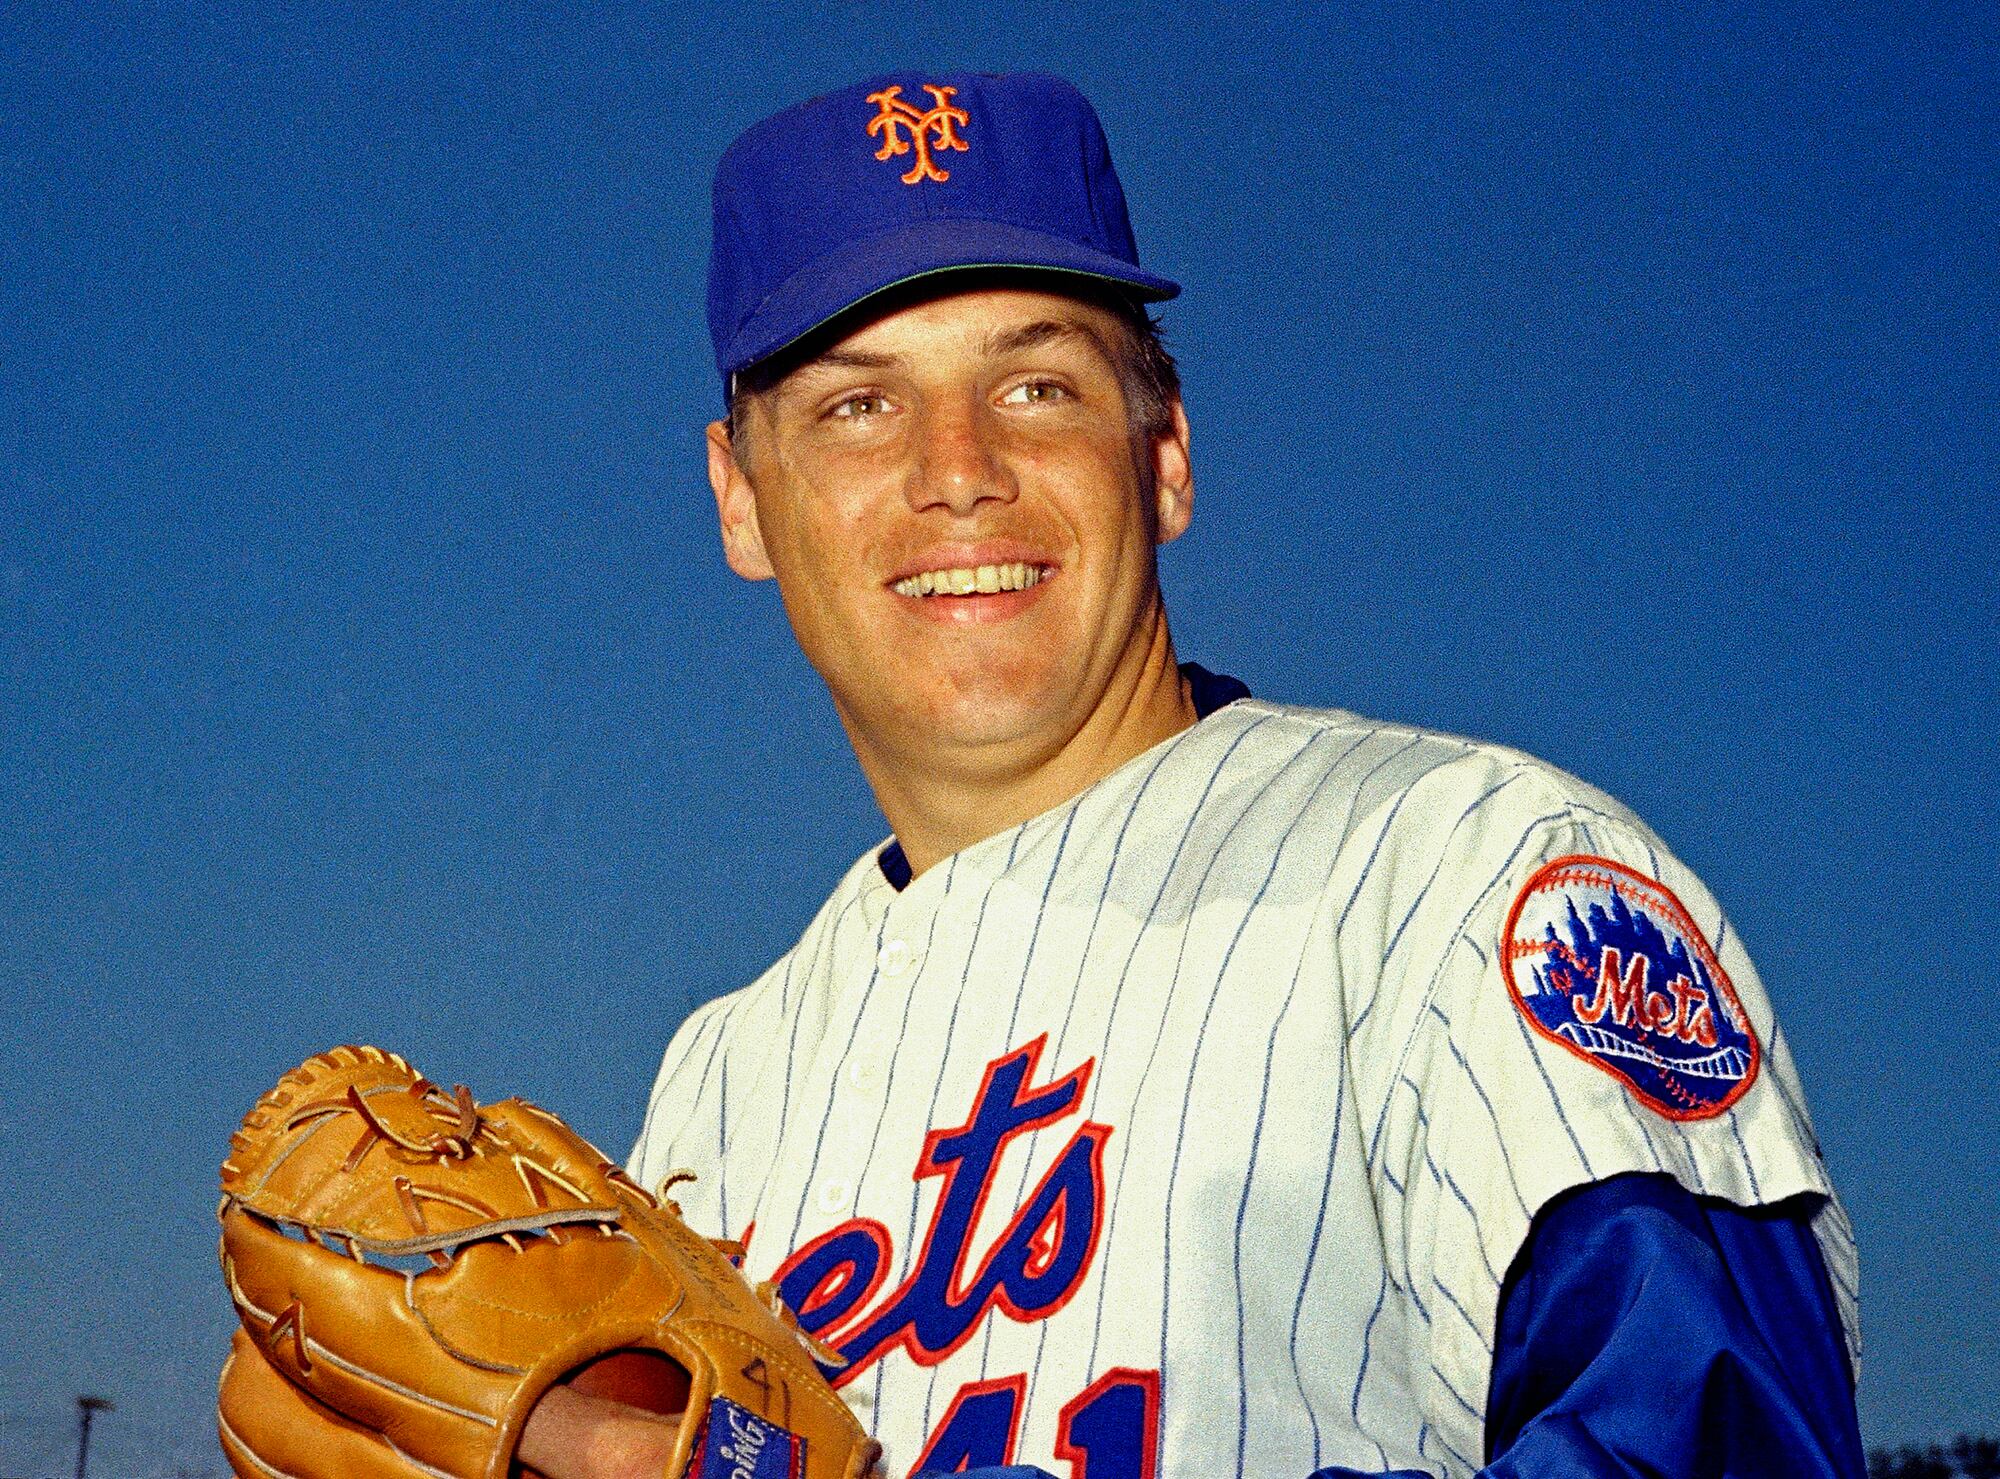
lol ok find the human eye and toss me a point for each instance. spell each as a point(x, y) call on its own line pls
point(859, 406)
point(1035, 392)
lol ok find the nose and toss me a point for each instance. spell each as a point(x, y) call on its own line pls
point(959, 460)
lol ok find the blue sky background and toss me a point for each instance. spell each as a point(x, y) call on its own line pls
point(1613, 381)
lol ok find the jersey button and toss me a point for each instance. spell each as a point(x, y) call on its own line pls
point(834, 1195)
point(895, 958)
point(864, 1073)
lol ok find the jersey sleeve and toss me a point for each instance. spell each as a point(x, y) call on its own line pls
point(1583, 1010)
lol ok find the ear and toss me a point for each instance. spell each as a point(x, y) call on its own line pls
point(736, 507)
point(1173, 478)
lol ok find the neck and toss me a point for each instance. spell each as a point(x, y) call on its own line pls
point(942, 799)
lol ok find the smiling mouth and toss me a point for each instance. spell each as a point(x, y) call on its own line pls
point(973, 580)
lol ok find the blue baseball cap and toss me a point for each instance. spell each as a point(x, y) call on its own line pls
point(829, 203)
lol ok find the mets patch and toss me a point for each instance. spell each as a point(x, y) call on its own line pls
point(1607, 962)
point(738, 1444)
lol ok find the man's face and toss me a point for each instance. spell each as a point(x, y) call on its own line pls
point(959, 518)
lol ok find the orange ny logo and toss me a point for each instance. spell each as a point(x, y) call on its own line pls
point(901, 126)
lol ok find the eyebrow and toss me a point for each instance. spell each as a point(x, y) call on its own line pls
point(1041, 331)
point(848, 359)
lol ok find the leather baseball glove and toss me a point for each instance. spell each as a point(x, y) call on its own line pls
point(414, 1270)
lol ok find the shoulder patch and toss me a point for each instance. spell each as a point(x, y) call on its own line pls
point(1606, 962)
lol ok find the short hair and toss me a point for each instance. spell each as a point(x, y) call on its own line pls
point(1147, 372)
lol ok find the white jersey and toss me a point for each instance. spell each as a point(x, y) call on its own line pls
point(1191, 1128)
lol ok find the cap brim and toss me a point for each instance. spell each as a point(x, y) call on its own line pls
point(825, 289)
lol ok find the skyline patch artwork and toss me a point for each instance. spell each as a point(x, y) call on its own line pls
point(1607, 962)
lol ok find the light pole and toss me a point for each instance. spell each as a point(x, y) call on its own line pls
point(86, 1409)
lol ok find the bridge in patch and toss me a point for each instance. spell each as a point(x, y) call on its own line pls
point(1726, 1063)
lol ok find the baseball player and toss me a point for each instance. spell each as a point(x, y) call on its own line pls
point(1194, 1084)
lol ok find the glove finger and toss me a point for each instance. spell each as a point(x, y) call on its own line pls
point(301, 1301)
point(272, 1430)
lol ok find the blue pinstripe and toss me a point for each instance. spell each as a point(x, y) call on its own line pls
point(1445, 1382)
point(1368, 867)
point(1555, 1099)
point(1430, 990)
point(1013, 1020)
point(1083, 956)
point(1463, 1313)
point(1446, 1444)
point(1492, 1114)
point(937, 1086)
point(1409, 1291)
point(832, 1092)
point(1444, 1179)
point(1035, 934)
point(1187, 1098)
point(722, 1145)
point(1437, 867)
point(1834, 1272)
point(1152, 1056)
point(1257, 1141)
point(1423, 1437)
point(1799, 1118)
point(714, 1048)
point(1367, 1336)
point(713, 1020)
point(1013, 853)
point(1645, 1131)
point(822, 946)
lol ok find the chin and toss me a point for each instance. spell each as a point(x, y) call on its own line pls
point(991, 719)
point(988, 708)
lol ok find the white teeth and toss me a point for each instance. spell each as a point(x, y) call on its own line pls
point(965, 580)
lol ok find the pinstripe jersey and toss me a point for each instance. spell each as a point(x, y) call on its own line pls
point(1191, 1127)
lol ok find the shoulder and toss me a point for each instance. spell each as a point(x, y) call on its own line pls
point(1385, 785)
point(1374, 822)
point(1402, 754)
point(1462, 884)
point(1430, 842)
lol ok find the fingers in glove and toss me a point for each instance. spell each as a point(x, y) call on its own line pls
point(572, 1435)
point(272, 1430)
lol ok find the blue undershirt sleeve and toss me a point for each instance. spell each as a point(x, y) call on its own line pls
point(1645, 1332)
